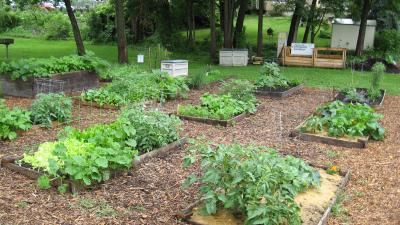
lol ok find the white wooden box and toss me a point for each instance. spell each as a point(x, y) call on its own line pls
point(233, 57)
point(175, 67)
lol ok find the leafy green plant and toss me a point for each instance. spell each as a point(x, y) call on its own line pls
point(43, 182)
point(254, 182)
point(271, 77)
point(154, 128)
point(93, 154)
point(103, 97)
point(57, 30)
point(51, 107)
point(138, 87)
point(339, 119)
point(241, 90)
point(221, 107)
point(25, 68)
point(12, 120)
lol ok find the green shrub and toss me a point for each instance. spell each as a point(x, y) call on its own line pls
point(51, 107)
point(8, 20)
point(388, 42)
point(241, 90)
point(57, 27)
point(100, 23)
point(254, 182)
point(12, 121)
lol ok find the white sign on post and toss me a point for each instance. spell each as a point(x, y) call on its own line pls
point(140, 58)
point(282, 39)
point(302, 49)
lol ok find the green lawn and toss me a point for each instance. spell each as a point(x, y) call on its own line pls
point(198, 61)
point(278, 24)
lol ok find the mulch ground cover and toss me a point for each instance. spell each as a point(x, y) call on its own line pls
point(152, 192)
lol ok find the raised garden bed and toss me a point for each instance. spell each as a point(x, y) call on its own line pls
point(356, 142)
point(224, 123)
point(77, 186)
point(66, 82)
point(363, 92)
point(326, 194)
point(278, 92)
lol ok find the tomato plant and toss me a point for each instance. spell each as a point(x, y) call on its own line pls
point(255, 182)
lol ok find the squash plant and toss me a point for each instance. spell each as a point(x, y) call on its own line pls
point(12, 120)
point(253, 182)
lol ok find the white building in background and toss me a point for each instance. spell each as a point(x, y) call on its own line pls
point(345, 33)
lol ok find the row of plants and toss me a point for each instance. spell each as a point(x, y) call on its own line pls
point(46, 67)
point(93, 154)
point(235, 97)
point(45, 109)
point(256, 184)
point(136, 87)
point(271, 78)
point(370, 95)
point(338, 119)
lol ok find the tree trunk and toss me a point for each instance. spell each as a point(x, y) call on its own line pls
point(222, 14)
point(228, 23)
point(190, 22)
point(294, 24)
point(213, 44)
point(260, 28)
point(240, 21)
point(363, 27)
point(75, 28)
point(310, 20)
point(164, 24)
point(121, 36)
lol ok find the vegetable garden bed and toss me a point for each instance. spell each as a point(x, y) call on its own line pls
point(309, 206)
point(65, 82)
point(363, 92)
point(224, 123)
point(279, 92)
point(358, 142)
point(77, 186)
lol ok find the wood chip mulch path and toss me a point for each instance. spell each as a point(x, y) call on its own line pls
point(152, 193)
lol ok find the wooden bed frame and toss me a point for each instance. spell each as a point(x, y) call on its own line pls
point(317, 59)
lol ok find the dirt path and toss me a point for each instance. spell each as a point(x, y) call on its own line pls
point(152, 193)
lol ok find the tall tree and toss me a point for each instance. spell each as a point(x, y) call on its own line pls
point(294, 24)
point(213, 32)
point(260, 28)
point(310, 18)
point(75, 28)
point(121, 36)
point(239, 29)
point(228, 23)
point(363, 27)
